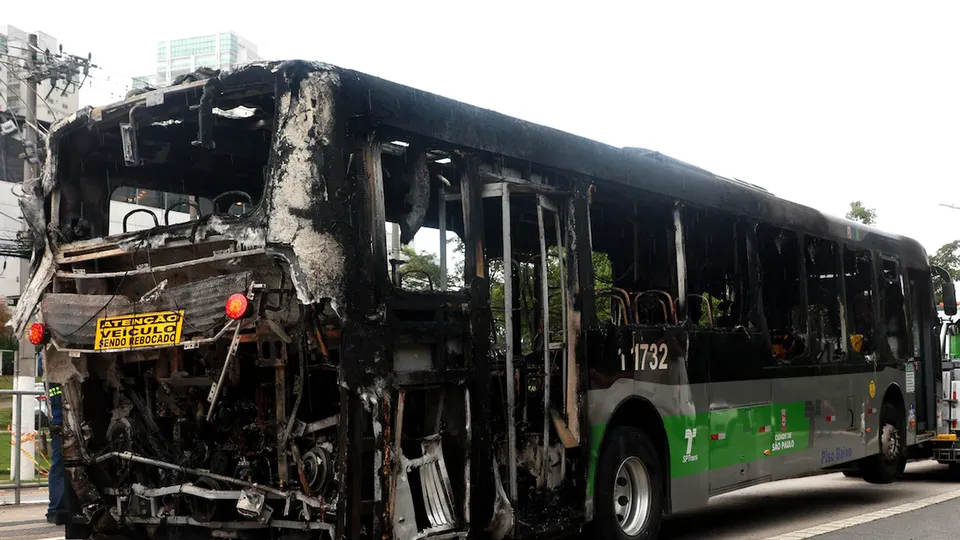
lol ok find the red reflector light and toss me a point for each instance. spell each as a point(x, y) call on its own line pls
point(38, 334)
point(237, 306)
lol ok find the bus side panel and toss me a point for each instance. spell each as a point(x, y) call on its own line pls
point(839, 410)
point(829, 413)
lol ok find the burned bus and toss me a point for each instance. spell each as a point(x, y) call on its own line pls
point(609, 335)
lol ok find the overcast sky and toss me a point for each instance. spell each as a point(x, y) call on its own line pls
point(821, 103)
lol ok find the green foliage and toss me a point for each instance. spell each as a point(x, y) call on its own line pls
point(526, 313)
point(421, 270)
point(948, 258)
point(858, 212)
point(419, 266)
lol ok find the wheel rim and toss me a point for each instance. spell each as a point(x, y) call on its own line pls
point(632, 496)
point(890, 442)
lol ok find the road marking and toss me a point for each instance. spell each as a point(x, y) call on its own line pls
point(866, 518)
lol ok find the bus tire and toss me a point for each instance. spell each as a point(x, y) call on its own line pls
point(629, 498)
point(884, 467)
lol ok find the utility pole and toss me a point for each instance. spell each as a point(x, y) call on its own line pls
point(39, 66)
point(26, 366)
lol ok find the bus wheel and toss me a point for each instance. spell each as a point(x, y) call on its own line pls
point(884, 467)
point(629, 496)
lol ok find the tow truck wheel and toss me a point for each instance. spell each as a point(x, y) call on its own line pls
point(629, 496)
point(884, 467)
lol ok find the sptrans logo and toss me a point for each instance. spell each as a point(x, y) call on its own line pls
point(690, 435)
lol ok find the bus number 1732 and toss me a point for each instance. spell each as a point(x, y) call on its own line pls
point(657, 353)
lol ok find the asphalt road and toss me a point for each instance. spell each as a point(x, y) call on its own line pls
point(923, 503)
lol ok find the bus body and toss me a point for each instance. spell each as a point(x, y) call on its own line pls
point(618, 336)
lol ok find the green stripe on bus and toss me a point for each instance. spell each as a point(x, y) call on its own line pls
point(713, 440)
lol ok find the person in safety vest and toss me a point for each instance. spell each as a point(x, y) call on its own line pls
point(57, 509)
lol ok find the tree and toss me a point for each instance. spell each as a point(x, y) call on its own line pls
point(948, 258)
point(421, 271)
point(858, 212)
point(421, 266)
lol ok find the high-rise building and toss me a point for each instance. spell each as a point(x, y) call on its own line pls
point(52, 103)
point(176, 57)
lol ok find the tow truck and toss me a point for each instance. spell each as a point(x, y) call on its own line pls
point(944, 445)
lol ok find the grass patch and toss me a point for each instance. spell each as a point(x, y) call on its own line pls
point(5, 464)
point(6, 382)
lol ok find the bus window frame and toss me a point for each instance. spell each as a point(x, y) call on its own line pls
point(804, 359)
point(895, 358)
point(849, 316)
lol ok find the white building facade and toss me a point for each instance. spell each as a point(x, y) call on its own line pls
point(52, 104)
point(176, 57)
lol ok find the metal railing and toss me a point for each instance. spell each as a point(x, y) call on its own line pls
point(17, 486)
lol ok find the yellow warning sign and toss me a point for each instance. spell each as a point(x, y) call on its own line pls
point(873, 389)
point(139, 330)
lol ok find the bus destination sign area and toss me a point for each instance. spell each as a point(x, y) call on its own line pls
point(139, 330)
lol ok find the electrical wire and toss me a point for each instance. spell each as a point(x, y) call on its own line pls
point(43, 132)
point(12, 115)
point(32, 87)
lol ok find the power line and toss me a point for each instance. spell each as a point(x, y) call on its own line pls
point(39, 129)
point(32, 88)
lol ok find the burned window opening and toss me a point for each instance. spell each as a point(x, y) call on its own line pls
point(824, 313)
point(858, 282)
point(894, 311)
point(232, 172)
point(634, 261)
point(718, 284)
point(784, 305)
point(420, 210)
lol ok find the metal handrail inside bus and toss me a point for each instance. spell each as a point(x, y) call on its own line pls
point(669, 302)
point(609, 293)
point(636, 306)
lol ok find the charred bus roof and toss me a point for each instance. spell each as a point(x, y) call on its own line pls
point(369, 103)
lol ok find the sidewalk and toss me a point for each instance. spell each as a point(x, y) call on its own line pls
point(27, 522)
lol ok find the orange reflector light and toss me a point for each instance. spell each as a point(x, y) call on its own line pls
point(237, 306)
point(38, 334)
